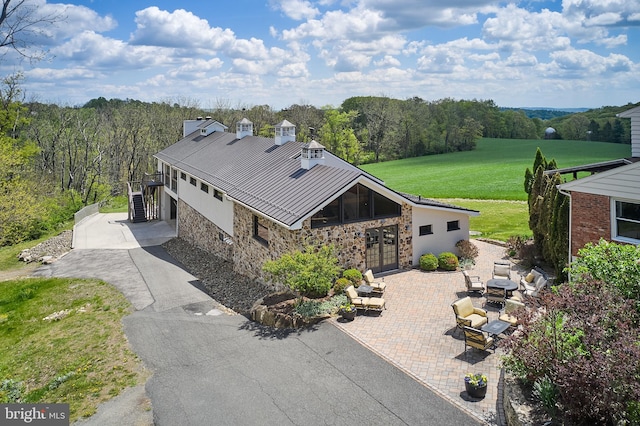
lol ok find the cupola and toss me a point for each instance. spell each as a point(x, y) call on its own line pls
point(312, 155)
point(285, 132)
point(244, 128)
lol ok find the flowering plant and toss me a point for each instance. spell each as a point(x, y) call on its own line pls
point(347, 307)
point(477, 380)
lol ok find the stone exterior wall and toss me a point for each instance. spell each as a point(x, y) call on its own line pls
point(249, 254)
point(201, 232)
point(590, 219)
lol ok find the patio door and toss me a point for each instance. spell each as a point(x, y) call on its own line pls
point(382, 248)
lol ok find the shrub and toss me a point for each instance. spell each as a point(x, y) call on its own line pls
point(353, 275)
point(582, 351)
point(467, 249)
point(428, 262)
point(310, 273)
point(340, 285)
point(448, 261)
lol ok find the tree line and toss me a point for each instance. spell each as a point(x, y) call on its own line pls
point(599, 124)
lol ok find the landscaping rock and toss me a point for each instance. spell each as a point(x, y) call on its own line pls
point(50, 250)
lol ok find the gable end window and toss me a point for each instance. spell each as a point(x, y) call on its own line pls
point(426, 230)
point(627, 221)
point(260, 230)
point(217, 194)
point(453, 225)
point(204, 187)
point(357, 204)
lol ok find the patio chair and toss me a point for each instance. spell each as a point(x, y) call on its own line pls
point(473, 282)
point(510, 307)
point(501, 270)
point(378, 286)
point(468, 315)
point(477, 339)
point(366, 303)
point(495, 295)
point(534, 282)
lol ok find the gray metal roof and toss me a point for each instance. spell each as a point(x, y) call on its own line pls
point(621, 182)
point(256, 172)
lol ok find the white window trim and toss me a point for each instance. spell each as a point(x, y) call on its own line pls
point(614, 221)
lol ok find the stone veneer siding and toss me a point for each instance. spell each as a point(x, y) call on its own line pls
point(249, 254)
point(201, 232)
point(590, 219)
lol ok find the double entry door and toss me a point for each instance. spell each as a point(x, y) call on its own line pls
point(382, 248)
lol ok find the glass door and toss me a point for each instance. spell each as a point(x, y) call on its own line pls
point(382, 248)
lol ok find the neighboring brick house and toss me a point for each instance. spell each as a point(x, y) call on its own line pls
point(249, 199)
point(607, 203)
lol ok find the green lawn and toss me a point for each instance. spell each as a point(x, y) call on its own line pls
point(493, 171)
point(489, 179)
point(81, 359)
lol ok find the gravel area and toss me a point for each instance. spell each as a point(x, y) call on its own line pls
point(217, 277)
point(53, 247)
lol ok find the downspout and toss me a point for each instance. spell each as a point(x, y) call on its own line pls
point(568, 194)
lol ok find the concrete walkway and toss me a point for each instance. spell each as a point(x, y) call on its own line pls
point(417, 333)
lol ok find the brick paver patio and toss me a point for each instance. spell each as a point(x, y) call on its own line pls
point(417, 333)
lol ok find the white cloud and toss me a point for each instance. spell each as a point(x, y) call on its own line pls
point(179, 28)
point(387, 61)
point(296, 9)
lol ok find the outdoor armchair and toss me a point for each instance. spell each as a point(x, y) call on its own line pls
point(467, 314)
point(473, 282)
point(378, 286)
point(507, 314)
point(477, 339)
point(495, 295)
point(366, 303)
point(501, 270)
point(533, 282)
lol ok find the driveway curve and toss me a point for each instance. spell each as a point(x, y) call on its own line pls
point(210, 367)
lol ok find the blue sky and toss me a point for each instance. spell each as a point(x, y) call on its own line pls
point(558, 53)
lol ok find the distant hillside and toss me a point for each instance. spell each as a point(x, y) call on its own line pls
point(545, 113)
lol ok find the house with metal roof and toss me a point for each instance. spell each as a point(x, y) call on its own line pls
point(249, 199)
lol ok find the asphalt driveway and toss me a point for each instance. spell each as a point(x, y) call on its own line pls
point(210, 367)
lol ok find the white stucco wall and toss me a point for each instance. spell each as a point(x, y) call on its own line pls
point(218, 212)
point(440, 240)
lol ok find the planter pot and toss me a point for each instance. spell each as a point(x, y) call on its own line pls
point(475, 391)
point(348, 315)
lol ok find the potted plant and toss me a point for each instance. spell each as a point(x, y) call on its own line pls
point(475, 385)
point(348, 311)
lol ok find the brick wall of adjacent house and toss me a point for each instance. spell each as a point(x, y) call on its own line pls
point(590, 219)
point(249, 254)
point(201, 232)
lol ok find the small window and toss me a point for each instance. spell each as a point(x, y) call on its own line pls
point(192, 181)
point(627, 223)
point(260, 230)
point(217, 194)
point(183, 176)
point(426, 230)
point(204, 187)
point(453, 225)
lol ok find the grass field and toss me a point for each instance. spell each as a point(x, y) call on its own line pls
point(489, 179)
point(493, 171)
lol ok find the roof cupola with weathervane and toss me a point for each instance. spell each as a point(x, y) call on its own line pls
point(285, 132)
point(244, 128)
point(312, 155)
